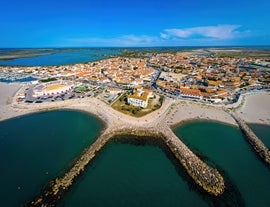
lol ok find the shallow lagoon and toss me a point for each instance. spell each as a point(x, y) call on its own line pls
point(58, 57)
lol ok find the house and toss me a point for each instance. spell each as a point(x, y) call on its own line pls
point(140, 97)
point(190, 93)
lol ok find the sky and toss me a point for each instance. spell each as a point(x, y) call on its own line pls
point(133, 23)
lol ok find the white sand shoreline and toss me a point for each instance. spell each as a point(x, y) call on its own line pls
point(183, 112)
point(255, 109)
point(174, 112)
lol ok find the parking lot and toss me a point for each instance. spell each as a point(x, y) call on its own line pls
point(73, 94)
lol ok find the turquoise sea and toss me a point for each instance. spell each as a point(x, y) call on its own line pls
point(132, 174)
point(225, 147)
point(36, 148)
point(262, 131)
point(129, 171)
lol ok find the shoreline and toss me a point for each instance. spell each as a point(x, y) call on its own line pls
point(187, 121)
point(180, 111)
point(159, 123)
point(255, 108)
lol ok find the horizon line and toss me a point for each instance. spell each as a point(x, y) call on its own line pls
point(198, 46)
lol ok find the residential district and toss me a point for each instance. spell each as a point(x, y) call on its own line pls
point(201, 78)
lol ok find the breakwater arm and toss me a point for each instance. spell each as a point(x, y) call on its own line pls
point(255, 142)
point(52, 193)
point(205, 176)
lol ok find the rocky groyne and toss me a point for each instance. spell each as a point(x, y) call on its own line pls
point(205, 176)
point(56, 188)
point(255, 142)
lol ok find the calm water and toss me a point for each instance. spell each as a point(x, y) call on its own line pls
point(21, 80)
point(61, 57)
point(35, 148)
point(130, 175)
point(225, 146)
point(263, 132)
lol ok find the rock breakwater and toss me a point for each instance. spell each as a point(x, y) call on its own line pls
point(205, 176)
point(255, 142)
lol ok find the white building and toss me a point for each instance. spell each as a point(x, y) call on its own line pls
point(140, 98)
point(52, 88)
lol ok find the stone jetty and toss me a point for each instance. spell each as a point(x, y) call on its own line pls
point(205, 176)
point(153, 125)
point(255, 142)
point(55, 190)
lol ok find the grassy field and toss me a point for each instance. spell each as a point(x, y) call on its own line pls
point(135, 111)
point(244, 53)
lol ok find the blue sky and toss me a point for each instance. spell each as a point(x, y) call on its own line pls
point(89, 23)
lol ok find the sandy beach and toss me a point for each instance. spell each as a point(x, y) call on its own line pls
point(183, 111)
point(255, 108)
point(159, 122)
point(7, 92)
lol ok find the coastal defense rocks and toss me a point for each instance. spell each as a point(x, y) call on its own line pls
point(206, 177)
point(56, 188)
point(255, 142)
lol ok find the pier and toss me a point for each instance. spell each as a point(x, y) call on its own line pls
point(255, 142)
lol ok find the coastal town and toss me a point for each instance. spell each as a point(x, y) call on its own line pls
point(145, 97)
point(135, 103)
point(203, 78)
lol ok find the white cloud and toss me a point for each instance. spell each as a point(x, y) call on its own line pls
point(126, 40)
point(164, 36)
point(206, 35)
point(221, 32)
